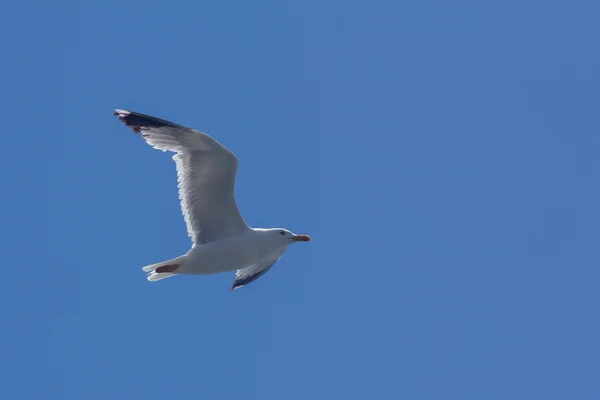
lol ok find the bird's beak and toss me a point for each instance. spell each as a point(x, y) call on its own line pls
point(300, 238)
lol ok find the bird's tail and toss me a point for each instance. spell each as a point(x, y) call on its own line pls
point(164, 269)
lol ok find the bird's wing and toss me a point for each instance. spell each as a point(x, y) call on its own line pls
point(205, 172)
point(249, 274)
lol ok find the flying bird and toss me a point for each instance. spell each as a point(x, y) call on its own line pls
point(221, 239)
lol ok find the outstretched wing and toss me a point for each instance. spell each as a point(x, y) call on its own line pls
point(205, 172)
point(249, 274)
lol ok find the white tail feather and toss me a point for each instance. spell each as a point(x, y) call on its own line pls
point(155, 276)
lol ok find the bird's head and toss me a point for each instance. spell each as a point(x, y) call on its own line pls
point(287, 237)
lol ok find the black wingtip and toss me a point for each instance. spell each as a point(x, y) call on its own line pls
point(138, 122)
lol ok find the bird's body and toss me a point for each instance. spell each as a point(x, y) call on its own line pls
point(228, 254)
point(221, 240)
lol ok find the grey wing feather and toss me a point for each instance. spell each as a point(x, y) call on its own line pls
point(205, 172)
point(248, 275)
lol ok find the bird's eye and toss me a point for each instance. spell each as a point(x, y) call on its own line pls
point(282, 233)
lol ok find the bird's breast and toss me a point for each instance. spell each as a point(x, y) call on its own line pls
point(222, 255)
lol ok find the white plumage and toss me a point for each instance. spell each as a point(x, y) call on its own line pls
point(221, 239)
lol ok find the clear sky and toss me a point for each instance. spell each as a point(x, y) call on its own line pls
point(443, 155)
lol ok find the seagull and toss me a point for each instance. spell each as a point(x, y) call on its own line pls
point(221, 239)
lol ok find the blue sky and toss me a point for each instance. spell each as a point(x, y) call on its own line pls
point(442, 155)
